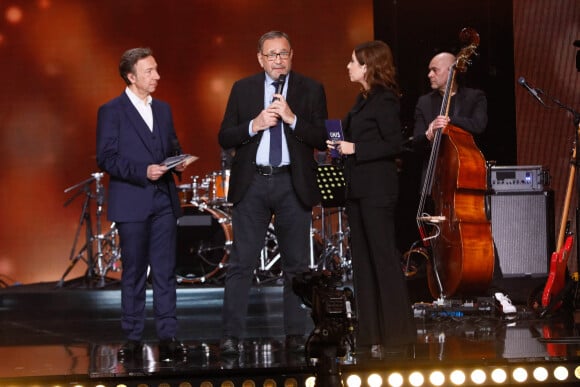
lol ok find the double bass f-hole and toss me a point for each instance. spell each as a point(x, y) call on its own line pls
point(458, 233)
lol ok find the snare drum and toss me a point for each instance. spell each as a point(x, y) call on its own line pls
point(204, 239)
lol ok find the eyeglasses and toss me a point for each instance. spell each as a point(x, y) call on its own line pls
point(273, 55)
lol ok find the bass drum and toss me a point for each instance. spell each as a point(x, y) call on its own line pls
point(204, 238)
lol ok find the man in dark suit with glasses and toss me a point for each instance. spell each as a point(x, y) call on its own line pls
point(273, 178)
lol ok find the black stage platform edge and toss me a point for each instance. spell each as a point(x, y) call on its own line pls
point(97, 311)
point(83, 324)
point(400, 369)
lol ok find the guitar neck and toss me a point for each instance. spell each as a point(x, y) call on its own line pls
point(567, 200)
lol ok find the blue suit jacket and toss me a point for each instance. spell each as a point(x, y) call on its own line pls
point(125, 149)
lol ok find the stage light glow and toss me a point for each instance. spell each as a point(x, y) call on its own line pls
point(457, 377)
point(498, 375)
point(44, 4)
point(353, 381)
point(437, 378)
point(478, 376)
point(416, 379)
point(520, 374)
point(13, 14)
point(270, 383)
point(291, 382)
point(395, 379)
point(577, 372)
point(561, 373)
point(375, 380)
point(248, 383)
point(227, 383)
point(311, 381)
point(540, 374)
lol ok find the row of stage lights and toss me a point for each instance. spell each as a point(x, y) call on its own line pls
point(522, 374)
point(501, 375)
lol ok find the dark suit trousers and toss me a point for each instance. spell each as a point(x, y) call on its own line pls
point(267, 195)
point(384, 311)
point(151, 242)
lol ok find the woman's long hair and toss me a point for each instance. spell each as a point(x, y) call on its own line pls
point(378, 58)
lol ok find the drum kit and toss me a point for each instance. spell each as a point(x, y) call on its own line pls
point(204, 236)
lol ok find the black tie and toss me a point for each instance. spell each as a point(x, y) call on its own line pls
point(276, 139)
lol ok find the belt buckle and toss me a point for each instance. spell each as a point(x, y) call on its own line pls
point(267, 170)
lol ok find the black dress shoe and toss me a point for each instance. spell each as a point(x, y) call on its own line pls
point(132, 349)
point(295, 343)
point(229, 346)
point(172, 350)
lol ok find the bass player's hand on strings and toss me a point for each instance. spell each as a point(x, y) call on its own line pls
point(438, 122)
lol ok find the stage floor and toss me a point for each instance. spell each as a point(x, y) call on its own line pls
point(70, 334)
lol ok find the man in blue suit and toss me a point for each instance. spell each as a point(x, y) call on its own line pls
point(135, 134)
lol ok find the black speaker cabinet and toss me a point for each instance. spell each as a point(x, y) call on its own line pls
point(523, 231)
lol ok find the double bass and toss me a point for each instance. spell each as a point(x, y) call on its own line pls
point(458, 234)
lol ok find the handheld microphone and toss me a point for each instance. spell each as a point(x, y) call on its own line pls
point(280, 85)
point(531, 90)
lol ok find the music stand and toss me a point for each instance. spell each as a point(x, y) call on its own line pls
point(332, 186)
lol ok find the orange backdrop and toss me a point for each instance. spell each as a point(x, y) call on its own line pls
point(59, 63)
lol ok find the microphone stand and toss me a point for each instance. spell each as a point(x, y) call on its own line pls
point(85, 219)
point(575, 276)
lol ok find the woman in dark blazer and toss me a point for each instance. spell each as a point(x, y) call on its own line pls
point(373, 140)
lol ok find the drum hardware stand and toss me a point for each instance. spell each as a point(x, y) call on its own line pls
point(97, 266)
point(334, 249)
point(194, 189)
point(313, 265)
point(196, 185)
point(212, 188)
point(332, 186)
point(334, 244)
point(269, 255)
